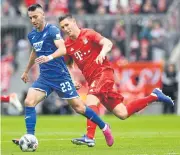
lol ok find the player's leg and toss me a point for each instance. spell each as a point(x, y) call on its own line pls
point(92, 102)
point(12, 99)
point(124, 111)
point(32, 99)
point(80, 108)
point(67, 91)
point(88, 139)
point(35, 95)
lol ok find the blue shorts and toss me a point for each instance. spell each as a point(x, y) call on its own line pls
point(63, 87)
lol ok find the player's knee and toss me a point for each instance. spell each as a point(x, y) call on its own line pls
point(121, 114)
point(29, 102)
point(80, 109)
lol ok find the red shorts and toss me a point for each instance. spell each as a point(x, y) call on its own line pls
point(102, 87)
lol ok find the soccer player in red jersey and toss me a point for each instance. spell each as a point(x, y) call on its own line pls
point(88, 49)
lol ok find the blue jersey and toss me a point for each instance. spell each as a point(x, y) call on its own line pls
point(43, 44)
point(54, 75)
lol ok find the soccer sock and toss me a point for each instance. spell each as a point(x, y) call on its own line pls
point(91, 115)
point(5, 98)
point(139, 104)
point(30, 119)
point(91, 126)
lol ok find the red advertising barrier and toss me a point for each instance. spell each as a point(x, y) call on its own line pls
point(138, 79)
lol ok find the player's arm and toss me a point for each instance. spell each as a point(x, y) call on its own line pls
point(106, 47)
point(61, 49)
point(104, 42)
point(31, 62)
point(59, 43)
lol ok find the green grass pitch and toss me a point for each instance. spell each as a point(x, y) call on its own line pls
point(138, 135)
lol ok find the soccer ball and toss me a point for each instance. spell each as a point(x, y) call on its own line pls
point(28, 143)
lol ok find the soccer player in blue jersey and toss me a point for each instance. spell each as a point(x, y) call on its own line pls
point(54, 76)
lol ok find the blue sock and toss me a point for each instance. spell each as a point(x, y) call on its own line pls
point(30, 119)
point(90, 114)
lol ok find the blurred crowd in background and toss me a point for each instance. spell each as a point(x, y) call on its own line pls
point(57, 7)
point(149, 39)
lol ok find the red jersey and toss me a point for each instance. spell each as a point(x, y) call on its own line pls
point(84, 51)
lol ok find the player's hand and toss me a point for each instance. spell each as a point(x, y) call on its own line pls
point(42, 59)
point(77, 85)
point(100, 58)
point(25, 77)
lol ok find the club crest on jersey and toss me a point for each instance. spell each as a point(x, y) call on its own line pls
point(37, 46)
point(72, 49)
point(85, 41)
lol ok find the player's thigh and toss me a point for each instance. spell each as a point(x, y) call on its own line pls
point(92, 100)
point(34, 96)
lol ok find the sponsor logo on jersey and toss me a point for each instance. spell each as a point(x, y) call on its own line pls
point(78, 55)
point(37, 46)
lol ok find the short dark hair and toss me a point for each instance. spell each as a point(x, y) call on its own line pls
point(61, 18)
point(33, 7)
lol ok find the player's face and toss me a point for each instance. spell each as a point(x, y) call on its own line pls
point(36, 17)
point(68, 26)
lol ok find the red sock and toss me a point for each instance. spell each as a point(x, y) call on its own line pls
point(139, 104)
point(5, 98)
point(91, 127)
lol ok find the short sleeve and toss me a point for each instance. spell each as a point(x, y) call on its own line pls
point(55, 33)
point(95, 36)
point(30, 40)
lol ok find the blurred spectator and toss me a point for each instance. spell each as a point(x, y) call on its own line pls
point(170, 85)
point(22, 9)
point(57, 7)
point(157, 43)
point(145, 33)
point(115, 7)
point(119, 34)
point(116, 55)
point(161, 6)
point(134, 47)
point(157, 33)
point(148, 7)
point(135, 6)
point(145, 53)
point(7, 8)
point(101, 10)
point(77, 7)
